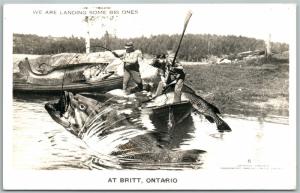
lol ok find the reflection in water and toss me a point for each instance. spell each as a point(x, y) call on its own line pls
point(175, 136)
point(40, 143)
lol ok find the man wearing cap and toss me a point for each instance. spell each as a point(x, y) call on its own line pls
point(131, 59)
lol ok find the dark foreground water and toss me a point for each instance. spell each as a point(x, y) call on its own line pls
point(41, 143)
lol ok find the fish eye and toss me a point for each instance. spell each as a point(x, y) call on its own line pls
point(82, 107)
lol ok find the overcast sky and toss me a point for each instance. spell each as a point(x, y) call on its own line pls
point(251, 20)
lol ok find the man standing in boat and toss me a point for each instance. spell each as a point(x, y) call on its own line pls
point(170, 75)
point(131, 59)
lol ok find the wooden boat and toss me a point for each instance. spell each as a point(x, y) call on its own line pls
point(175, 111)
point(76, 87)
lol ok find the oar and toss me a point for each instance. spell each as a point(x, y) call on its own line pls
point(186, 21)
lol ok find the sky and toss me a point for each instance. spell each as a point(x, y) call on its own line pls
point(126, 21)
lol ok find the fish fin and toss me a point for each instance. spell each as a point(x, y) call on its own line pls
point(223, 126)
point(187, 88)
point(44, 68)
point(210, 119)
point(213, 107)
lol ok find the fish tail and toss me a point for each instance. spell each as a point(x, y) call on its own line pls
point(222, 126)
point(209, 118)
point(25, 68)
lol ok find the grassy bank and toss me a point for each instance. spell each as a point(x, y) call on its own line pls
point(258, 91)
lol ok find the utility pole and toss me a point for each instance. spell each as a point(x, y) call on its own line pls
point(268, 48)
point(106, 39)
point(87, 37)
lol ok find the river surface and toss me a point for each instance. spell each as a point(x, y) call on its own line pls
point(40, 143)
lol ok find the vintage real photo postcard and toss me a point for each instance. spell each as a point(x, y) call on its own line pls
point(149, 97)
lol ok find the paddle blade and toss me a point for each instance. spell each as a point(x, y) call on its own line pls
point(187, 18)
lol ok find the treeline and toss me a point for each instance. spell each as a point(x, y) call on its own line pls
point(194, 47)
point(33, 44)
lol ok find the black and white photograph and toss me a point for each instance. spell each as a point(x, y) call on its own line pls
point(149, 97)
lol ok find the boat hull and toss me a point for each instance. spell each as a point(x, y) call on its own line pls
point(162, 114)
point(101, 86)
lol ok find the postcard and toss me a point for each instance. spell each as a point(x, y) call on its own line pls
point(149, 97)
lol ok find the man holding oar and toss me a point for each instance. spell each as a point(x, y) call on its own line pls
point(172, 72)
point(170, 75)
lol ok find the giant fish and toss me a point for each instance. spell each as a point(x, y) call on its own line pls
point(119, 127)
point(56, 76)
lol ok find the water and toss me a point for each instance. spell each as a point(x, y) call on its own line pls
point(41, 143)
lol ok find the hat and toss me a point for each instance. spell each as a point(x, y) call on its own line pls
point(129, 45)
point(161, 56)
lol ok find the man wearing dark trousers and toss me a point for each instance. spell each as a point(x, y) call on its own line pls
point(131, 59)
